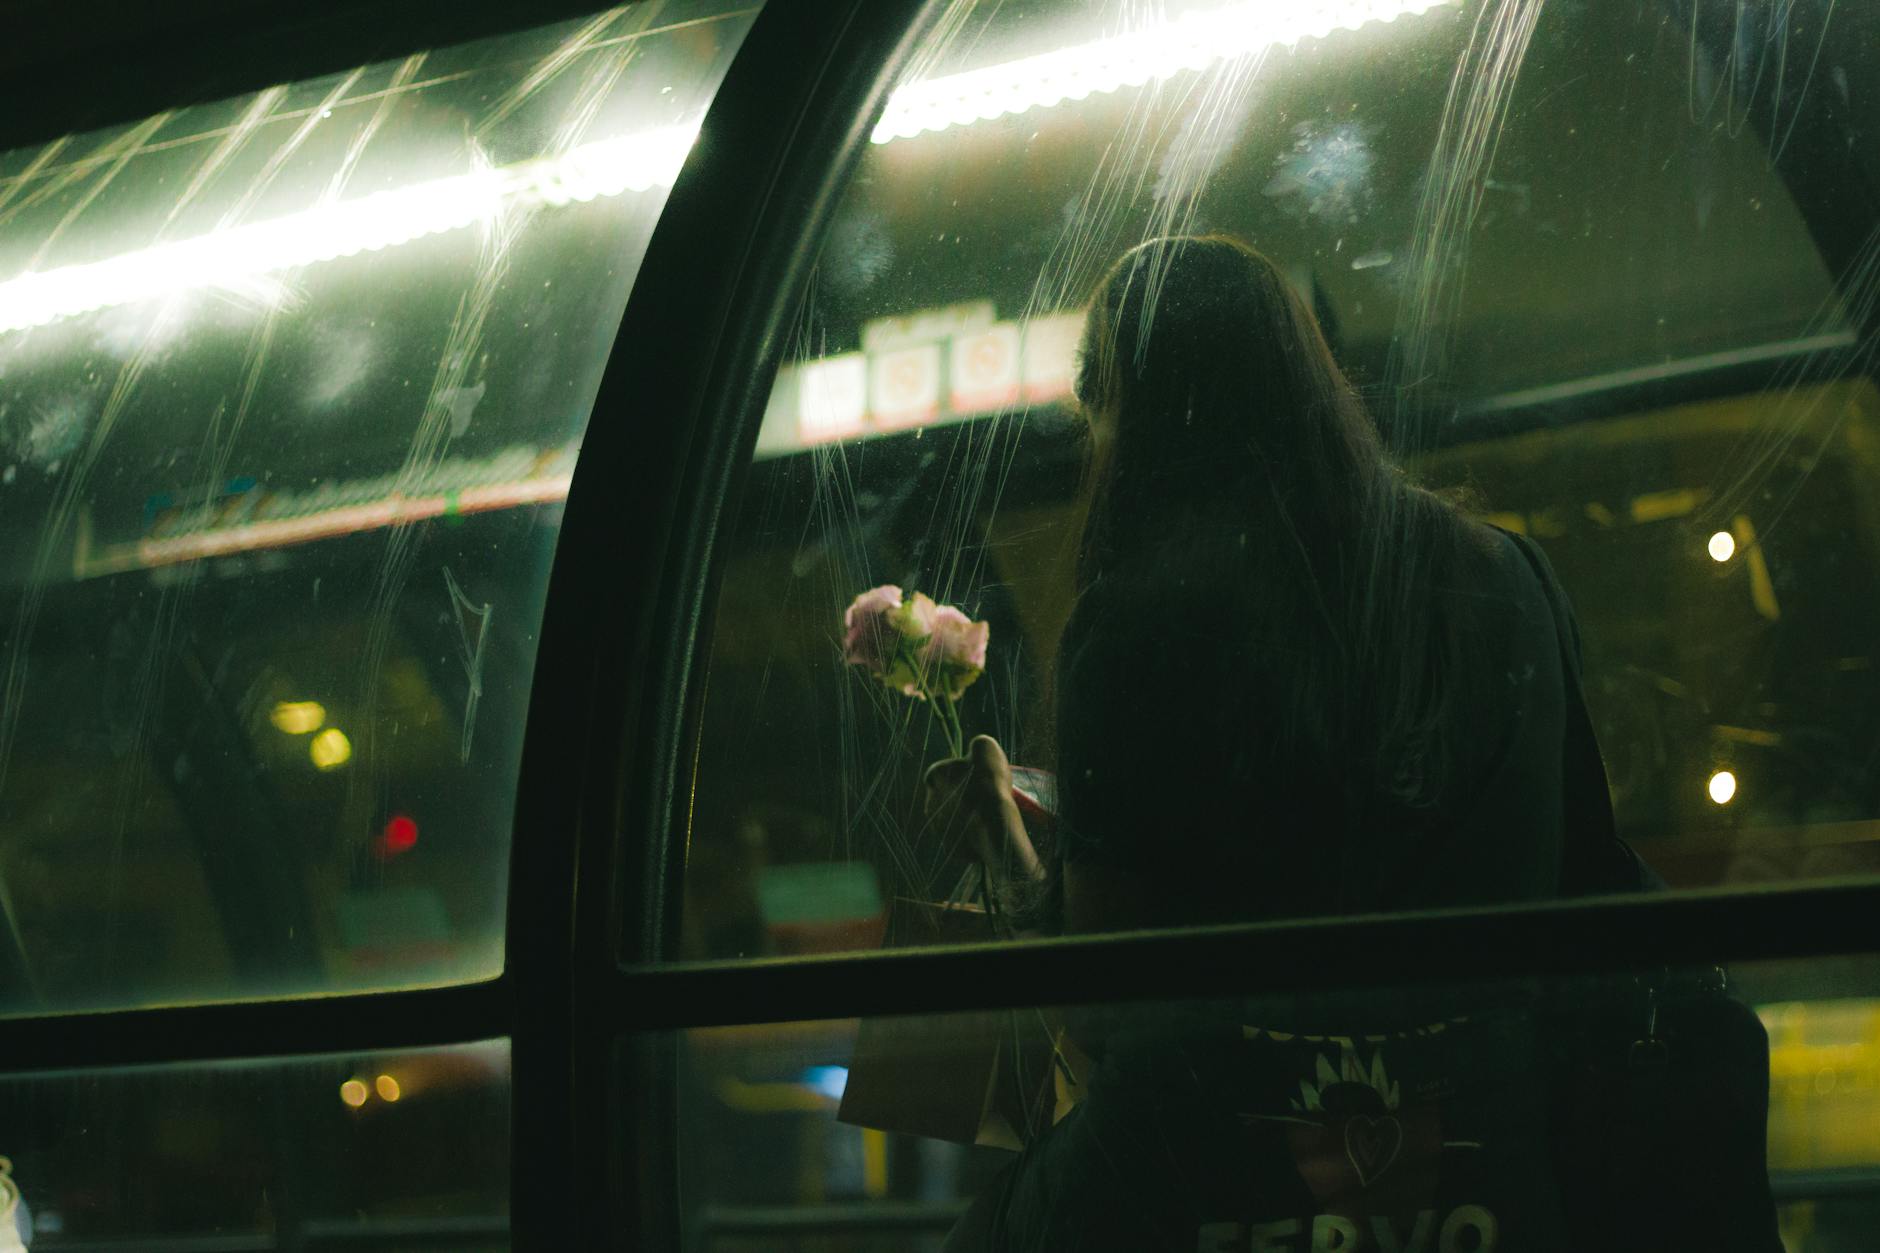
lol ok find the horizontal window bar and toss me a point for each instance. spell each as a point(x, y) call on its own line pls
point(328, 1024)
point(1775, 367)
point(1823, 1185)
point(1788, 353)
point(1563, 938)
point(1552, 940)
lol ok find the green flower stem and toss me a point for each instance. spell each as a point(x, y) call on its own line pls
point(942, 704)
point(947, 712)
point(950, 719)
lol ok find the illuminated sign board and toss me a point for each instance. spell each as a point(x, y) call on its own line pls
point(926, 369)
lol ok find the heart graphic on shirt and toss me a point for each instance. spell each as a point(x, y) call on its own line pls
point(1371, 1145)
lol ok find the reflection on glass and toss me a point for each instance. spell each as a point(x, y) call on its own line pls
point(291, 387)
point(1472, 1118)
point(1600, 286)
point(329, 1152)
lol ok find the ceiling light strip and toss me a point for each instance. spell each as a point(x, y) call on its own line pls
point(1194, 41)
point(240, 257)
point(235, 258)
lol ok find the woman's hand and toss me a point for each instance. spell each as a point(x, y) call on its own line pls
point(974, 792)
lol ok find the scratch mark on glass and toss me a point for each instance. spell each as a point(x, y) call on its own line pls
point(470, 640)
point(1468, 133)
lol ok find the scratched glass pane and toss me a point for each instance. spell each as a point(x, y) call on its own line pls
point(329, 1151)
point(1603, 274)
point(291, 388)
point(1435, 1118)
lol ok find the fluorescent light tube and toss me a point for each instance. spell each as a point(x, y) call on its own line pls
point(1192, 42)
point(236, 256)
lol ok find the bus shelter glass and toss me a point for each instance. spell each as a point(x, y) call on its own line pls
point(327, 1152)
point(291, 390)
point(1604, 274)
point(1443, 1115)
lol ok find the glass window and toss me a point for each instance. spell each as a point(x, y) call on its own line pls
point(1504, 1116)
point(291, 389)
point(1587, 271)
point(308, 1152)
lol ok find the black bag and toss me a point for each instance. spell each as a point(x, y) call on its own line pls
point(1660, 1084)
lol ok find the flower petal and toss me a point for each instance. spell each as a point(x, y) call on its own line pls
point(870, 638)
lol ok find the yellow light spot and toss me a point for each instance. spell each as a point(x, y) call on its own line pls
point(354, 1092)
point(1762, 588)
point(874, 1162)
point(1722, 787)
point(772, 1098)
point(330, 749)
point(1722, 546)
point(298, 717)
point(388, 1088)
point(1657, 506)
point(1748, 735)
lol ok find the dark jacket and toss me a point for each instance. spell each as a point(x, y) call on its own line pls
point(1429, 1118)
point(1174, 740)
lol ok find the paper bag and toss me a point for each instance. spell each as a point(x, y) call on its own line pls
point(988, 1078)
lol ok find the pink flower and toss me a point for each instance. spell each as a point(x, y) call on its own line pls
point(877, 638)
point(872, 637)
point(913, 645)
point(955, 653)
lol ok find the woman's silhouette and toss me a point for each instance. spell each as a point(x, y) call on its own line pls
point(1295, 683)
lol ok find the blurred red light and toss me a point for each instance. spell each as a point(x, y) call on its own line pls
point(400, 835)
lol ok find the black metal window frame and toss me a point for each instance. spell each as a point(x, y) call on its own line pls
point(583, 997)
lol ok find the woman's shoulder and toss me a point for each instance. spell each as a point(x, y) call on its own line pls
point(1521, 566)
point(1504, 563)
point(1515, 550)
point(1507, 612)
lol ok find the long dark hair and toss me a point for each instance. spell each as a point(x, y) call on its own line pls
point(1258, 613)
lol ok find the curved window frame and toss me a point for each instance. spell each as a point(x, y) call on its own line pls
point(594, 875)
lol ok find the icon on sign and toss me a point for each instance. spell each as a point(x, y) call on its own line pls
point(986, 369)
point(906, 386)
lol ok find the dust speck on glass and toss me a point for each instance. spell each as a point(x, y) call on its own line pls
point(291, 389)
point(1605, 273)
